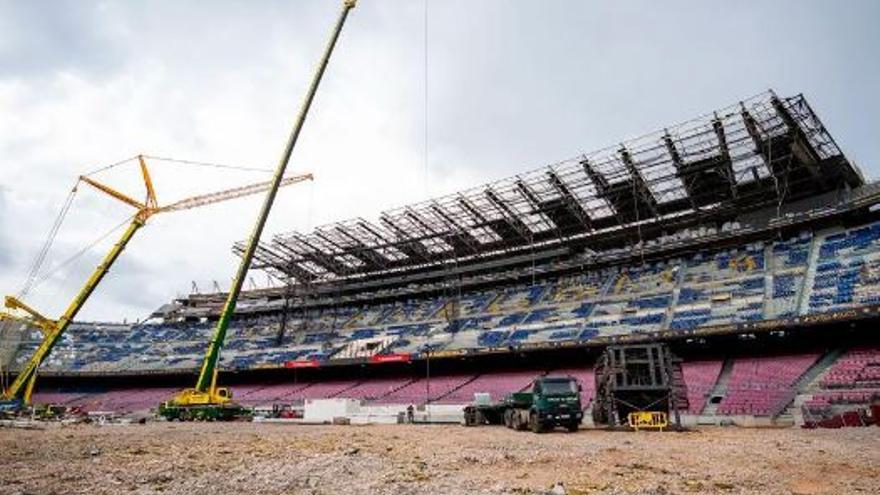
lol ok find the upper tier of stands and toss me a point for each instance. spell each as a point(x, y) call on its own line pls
point(810, 273)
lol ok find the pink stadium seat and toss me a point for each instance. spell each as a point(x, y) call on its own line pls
point(322, 390)
point(417, 391)
point(848, 386)
point(497, 385)
point(758, 385)
point(58, 398)
point(270, 394)
point(700, 378)
point(856, 368)
point(375, 389)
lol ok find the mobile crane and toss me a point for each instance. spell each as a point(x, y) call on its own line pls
point(18, 394)
point(206, 400)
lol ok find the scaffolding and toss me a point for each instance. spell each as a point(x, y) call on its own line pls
point(638, 379)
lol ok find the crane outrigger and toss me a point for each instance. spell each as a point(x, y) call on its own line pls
point(207, 401)
point(18, 394)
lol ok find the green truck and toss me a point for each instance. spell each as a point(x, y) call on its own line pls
point(549, 402)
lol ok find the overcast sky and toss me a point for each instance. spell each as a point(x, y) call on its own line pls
point(512, 85)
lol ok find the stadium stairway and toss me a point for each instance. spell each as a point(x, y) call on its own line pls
point(769, 275)
point(292, 393)
point(322, 390)
point(803, 289)
point(673, 302)
point(808, 385)
point(456, 389)
point(376, 390)
point(707, 416)
point(807, 284)
point(783, 413)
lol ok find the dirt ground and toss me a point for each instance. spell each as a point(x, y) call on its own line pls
point(254, 458)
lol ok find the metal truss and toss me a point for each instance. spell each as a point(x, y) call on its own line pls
point(761, 151)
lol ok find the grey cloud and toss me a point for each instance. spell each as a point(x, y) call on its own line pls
point(514, 85)
point(40, 38)
point(129, 287)
point(525, 84)
point(130, 284)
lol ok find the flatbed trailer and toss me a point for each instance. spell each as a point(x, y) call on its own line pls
point(551, 401)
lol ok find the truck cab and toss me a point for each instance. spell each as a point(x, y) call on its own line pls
point(556, 401)
point(551, 401)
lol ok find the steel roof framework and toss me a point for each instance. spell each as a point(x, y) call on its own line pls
point(764, 150)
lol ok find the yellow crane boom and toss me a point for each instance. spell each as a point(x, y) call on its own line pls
point(22, 387)
point(238, 192)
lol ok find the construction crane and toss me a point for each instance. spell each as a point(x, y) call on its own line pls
point(18, 394)
point(207, 401)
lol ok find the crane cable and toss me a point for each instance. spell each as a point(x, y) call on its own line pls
point(227, 166)
point(47, 245)
point(425, 74)
point(33, 278)
point(79, 254)
point(110, 166)
point(245, 168)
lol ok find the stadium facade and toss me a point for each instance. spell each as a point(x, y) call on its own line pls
point(744, 237)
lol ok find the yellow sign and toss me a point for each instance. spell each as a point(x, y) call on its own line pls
point(648, 420)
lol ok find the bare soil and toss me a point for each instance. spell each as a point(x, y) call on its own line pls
point(268, 459)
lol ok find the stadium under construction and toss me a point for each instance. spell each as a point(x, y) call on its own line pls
point(716, 282)
point(743, 240)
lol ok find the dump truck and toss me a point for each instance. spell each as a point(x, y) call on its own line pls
point(549, 402)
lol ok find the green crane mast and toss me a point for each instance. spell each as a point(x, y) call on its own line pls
point(206, 400)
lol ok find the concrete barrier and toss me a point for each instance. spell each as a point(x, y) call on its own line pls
point(325, 410)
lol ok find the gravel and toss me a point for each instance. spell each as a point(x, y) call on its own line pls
point(245, 458)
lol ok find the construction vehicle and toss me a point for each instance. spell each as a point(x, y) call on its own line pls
point(18, 395)
point(206, 400)
point(550, 402)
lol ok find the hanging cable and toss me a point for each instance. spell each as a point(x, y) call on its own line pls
point(310, 209)
point(79, 254)
point(112, 165)
point(425, 74)
point(37, 265)
point(245, 168)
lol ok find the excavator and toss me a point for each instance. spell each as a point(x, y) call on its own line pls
point(17, 396)
point(207, 401)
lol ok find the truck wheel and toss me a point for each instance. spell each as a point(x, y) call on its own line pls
point(535, 424)
point(572, 427)
point(479, 418)
point(469, 419)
